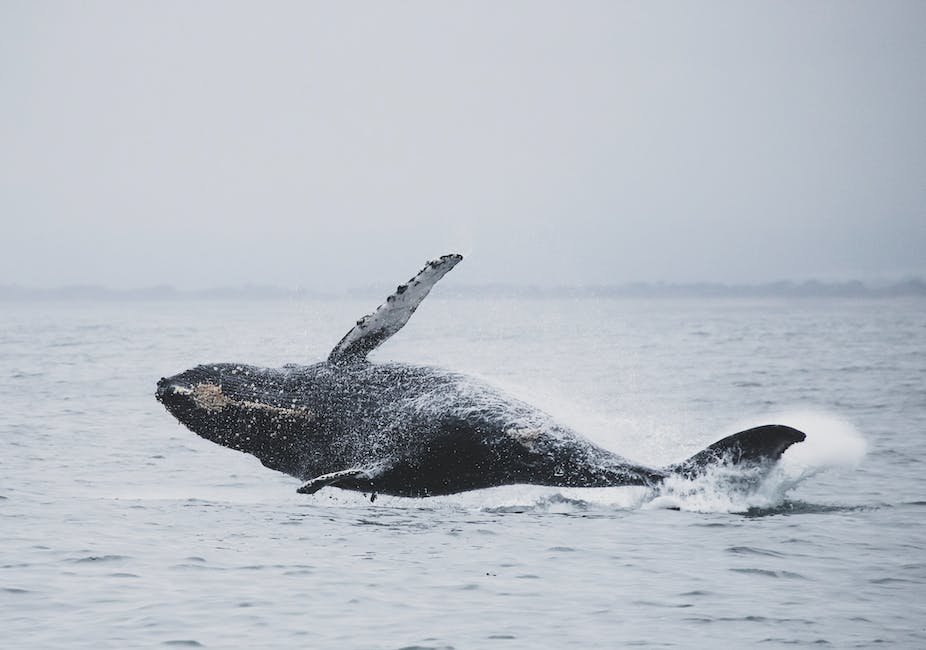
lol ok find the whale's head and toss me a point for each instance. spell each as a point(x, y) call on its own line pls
point(241, 407)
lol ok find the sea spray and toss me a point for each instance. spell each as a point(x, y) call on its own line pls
point(832, 443)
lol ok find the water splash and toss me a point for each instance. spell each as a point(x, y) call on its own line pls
point(832, 443)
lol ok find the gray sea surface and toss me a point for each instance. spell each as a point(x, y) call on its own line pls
point(120, 528)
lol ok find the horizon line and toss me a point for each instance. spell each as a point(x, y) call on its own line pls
point(914, 286)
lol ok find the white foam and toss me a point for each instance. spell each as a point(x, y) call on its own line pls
point(505, 498)
point(832, 443)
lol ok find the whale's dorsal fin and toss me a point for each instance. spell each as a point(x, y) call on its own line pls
point(391, 316)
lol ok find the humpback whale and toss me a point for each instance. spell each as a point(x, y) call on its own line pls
point(414, 431)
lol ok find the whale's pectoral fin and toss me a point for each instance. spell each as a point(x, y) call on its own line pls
point(391, 316)
point(314, 485)
point(761, 446)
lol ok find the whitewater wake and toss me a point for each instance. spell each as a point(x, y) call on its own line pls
point(832, 443)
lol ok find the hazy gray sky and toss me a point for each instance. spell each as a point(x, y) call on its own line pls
point(307, 144)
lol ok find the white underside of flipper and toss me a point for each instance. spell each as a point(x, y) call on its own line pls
point(314, 485)
point(391, 316)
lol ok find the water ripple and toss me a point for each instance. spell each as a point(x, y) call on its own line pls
point(769, 573)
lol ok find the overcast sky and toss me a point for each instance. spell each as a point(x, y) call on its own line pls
point(339, 144)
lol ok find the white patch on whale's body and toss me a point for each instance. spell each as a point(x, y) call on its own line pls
point(527, 436)
point(210, 397)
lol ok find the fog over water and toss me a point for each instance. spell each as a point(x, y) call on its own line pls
point(328, 145)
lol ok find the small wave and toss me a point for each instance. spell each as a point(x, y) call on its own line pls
point(803, 508)
point(785, 641)
point(569, 501)
point(557, 503)
point(768, 573)
point(23, 374)
point(100, 558)
point(889, 580)
point(697, 592)
point(513, 499)
point(751, 550)
point(199, 567)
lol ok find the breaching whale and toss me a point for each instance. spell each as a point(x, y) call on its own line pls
point(414, 431)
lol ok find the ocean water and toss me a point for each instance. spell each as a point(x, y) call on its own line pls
point(120, 528)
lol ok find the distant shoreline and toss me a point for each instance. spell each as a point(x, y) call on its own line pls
point(915, 288)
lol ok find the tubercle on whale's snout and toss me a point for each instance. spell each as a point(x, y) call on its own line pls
point(184, 383)
point(168, 386)
point(163, 389)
